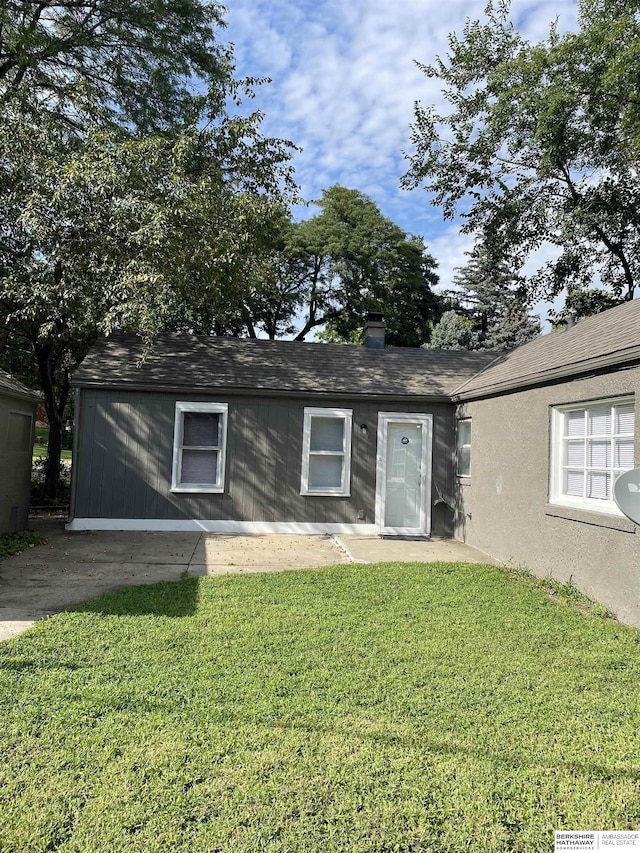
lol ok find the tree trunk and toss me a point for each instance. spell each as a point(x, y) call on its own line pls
point(54, 406)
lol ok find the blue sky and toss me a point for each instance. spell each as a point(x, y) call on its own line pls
point(344, 81)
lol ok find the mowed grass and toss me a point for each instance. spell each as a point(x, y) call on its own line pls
point(441, 707)
point(40, 446)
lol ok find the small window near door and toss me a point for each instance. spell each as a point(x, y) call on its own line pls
point(326, 452)
point(199, 445)
point(464, 448)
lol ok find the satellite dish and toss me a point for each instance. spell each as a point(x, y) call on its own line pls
point(626, 493)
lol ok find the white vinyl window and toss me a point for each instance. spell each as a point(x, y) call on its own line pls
point(326, 452)
point(591, 446)
point(199, 443)
point(463, 448)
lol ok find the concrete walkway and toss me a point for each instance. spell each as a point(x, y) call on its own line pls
point(76, 567)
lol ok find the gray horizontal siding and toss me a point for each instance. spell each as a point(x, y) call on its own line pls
point(125, 446)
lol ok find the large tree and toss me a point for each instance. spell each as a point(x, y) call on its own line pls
point(111, 230)
point(540, 145)
point(133, 62)
point(131, 197)
point(348, 260)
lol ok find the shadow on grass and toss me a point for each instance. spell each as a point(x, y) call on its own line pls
point(167, 598)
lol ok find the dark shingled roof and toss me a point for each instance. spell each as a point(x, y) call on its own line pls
point(10, 387)
point(248, 365)
point(596, 343)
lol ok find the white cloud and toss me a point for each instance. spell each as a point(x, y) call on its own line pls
point(344, 84)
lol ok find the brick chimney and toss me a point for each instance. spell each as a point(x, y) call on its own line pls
point(374, 331)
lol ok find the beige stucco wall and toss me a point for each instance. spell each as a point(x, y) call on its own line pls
point(503, 508)
point(15, 468)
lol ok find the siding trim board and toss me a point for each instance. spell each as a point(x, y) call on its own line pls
point(194, 525)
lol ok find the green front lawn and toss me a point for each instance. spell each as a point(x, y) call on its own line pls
point(442, 707)
point(40, 445)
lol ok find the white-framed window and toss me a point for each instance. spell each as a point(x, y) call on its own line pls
point(591, 445)
point(326, 452)
point(199, 445)
point(463, 448)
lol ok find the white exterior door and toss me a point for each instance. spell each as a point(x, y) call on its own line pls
point(403, 478)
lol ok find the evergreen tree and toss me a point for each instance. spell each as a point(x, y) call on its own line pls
point(491, 306)
point(453, 332)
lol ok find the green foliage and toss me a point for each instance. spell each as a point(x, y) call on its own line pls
point(110, 230)
point(582, 303)
point(353, 708)
point(541, 144)
point(491, 304)
point(15, 543)
point(132, 62)
point(349, 260)
point(453, 331)
point(40, 497)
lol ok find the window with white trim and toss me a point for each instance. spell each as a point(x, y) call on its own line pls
point(463, 448)
point(591, 446)
point(199, 445)
point(326, 452)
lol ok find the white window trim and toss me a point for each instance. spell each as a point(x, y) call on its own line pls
point(460, 446)
point(344, 490)
point(556, 497)
point(208, 488)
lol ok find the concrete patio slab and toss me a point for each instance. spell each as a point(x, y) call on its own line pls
point(378, 549)
point(277, 551)
point(108, 546)
point(75, 567)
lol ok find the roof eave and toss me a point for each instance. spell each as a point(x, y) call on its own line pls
point(593, 366)
point(15, 394)
point(239, 391)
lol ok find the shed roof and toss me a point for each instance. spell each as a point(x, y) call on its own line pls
point(596, 343)
point(178, 362)
point(10, 387)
